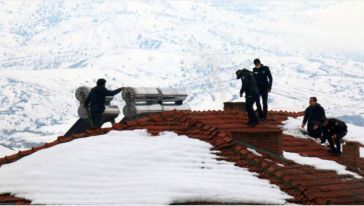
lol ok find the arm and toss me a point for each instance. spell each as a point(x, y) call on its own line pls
point(88, 98)
point(242, 90)
point(270, 78)
point(113, 92)
point(305, 118)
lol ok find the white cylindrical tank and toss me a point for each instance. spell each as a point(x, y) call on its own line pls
point(131, 110)
point(81, 93)
point(133, 94)
point(173, 95)
point(146, 95)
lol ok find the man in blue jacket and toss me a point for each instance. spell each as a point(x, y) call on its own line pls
point(313, 115)
point(249, 87)
point(264, 81)
point(96, 101)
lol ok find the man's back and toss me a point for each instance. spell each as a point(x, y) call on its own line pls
point(335, 126)
point(249, 85)
point(96, 98)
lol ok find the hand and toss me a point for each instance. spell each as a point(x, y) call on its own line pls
point(303, 126)
point(334, 137)
point(315, 127)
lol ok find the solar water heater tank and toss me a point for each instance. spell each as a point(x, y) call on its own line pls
point(141, 101)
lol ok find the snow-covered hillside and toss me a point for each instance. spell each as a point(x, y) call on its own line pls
point(50, 48)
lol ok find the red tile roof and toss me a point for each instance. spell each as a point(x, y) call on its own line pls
point(306, 184)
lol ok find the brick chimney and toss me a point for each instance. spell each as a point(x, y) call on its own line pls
point(240, 106)
point(267, 141)
point(351, 155)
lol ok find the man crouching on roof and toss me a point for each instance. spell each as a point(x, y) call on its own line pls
point(334, 130)
point(249, 87)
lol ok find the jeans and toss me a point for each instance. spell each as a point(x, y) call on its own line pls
point(249, 102)
point(263, 92)
point(97, 120)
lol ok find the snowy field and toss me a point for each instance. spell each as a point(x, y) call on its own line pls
point(48, 50)
point(135, 168)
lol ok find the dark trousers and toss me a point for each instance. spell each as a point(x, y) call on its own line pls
point(315, 133)
point(249, 102)
point(263, 93)
point(336, 146)
point(97, 120)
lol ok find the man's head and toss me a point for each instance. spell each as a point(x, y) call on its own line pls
point(101, 82)
point(238, 74)
point(313, 101)
point(257, 63)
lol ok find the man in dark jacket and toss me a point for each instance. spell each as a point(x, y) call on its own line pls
point(313, 115)
point(334, 130)
point(250, 89)
point(264, 81)
point(96, 100)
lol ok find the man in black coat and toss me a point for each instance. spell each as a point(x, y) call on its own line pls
point(250, 89)
point(313, 115)
point(96, 101)
point(334, 130)
point(264, 81)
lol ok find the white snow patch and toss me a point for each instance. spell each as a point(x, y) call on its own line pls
point(254, 152)
point(292, 126)
point(319, 164)
point(362, 152)
point(131, 167)
point(4, 151)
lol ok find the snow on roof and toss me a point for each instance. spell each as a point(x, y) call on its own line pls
point(320, 164)
point(133, 167)
point(5, 151)
point(292, 127)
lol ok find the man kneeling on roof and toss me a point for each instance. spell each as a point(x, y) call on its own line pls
point(249, 87)
point(334, 130)
point(96, 99)
point(313, 115)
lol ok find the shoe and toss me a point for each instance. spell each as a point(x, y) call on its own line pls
point(331, 151)
point(262, 119)
point(253, 124)
point(337, 154)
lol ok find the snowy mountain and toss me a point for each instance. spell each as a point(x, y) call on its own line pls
point(49, 49)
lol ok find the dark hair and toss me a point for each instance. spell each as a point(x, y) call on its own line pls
point(256, 61)
point(101, 82)
point(314, 99)
point(238, 73)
